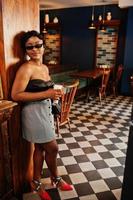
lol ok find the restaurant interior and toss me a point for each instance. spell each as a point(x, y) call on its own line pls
point(88, 51)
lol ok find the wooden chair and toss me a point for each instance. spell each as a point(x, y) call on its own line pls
point(66, 102)
point(116, 81)
point(105, 79)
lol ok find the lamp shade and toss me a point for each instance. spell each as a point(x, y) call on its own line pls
point(102, 27)
point(91, 24)
point(46, 19)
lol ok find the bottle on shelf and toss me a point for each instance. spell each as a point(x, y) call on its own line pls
point(109, 16)
point(100, 18)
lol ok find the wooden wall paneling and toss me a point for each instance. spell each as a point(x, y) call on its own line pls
point(2, 56)
point(16, 16)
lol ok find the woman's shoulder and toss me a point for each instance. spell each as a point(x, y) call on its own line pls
point(46, 67)
point(25, 68)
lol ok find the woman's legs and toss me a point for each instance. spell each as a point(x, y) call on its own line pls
point(38, 158)
point(51, 150)
point(36, 185)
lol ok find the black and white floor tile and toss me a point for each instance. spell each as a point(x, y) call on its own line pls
point(92, 156)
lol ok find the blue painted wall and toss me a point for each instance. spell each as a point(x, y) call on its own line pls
point(78, 42)
point(128, 56)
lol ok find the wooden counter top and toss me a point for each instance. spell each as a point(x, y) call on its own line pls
point(5, 104)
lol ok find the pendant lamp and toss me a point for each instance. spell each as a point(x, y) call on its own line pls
point(103, 26)
point(91, 25)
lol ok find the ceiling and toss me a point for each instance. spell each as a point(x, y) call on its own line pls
point(58, 4)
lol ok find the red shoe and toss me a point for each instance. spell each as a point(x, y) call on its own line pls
point(62, 185)
point(37, 187)
point(44, 195)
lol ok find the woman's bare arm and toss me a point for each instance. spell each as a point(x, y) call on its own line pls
point(20, 83)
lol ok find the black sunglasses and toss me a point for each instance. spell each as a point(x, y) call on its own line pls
point(37, 46)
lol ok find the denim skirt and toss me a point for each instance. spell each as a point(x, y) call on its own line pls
point(38, 121)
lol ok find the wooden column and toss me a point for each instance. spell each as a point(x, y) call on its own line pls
point(16, 16)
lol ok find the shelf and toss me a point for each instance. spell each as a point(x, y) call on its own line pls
point(4, 105)
point(110, 23)
point(52, 26)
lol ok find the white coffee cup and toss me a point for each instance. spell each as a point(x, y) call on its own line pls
point(57, 87)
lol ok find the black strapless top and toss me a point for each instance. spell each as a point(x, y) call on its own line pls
point(38, 85)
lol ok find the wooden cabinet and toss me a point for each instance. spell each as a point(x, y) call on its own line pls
point(6, 182)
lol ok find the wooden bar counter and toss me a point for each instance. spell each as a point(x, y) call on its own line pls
point(6, 181)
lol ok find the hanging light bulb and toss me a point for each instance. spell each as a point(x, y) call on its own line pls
point(102, 26)
point(44, 30)
point(46, 19)
point(91, 25)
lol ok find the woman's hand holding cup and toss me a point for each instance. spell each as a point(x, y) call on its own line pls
point(59, 92)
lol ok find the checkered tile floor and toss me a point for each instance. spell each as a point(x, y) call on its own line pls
point(92, 156)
